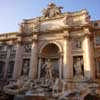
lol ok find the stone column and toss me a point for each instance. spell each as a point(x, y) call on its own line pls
point(6, 63)
point(34, 60)
point(39, 68)
point(18, 61)
point(60, 66)
point(88, 56)
point(67, 59)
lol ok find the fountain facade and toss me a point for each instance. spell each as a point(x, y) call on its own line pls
point(54, 58)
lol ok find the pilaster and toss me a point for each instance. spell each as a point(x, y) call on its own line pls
point(67, 59)
point(39, 68)
point(88, 56)
point(6, 63)
point(34, 59)
point(18, 60)
point(60, 65)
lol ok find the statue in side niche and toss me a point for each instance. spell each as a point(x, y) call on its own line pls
point(78, 69)
point(52, 10)
point(22, 84)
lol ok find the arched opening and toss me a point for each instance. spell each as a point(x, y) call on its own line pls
point(52, 52)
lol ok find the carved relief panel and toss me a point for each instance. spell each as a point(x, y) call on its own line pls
point(77, 43)
point(27, 48)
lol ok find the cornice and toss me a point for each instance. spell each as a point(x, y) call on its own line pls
point(9, 33)
point(24, 34)
point(62, 15)
point(8, 36)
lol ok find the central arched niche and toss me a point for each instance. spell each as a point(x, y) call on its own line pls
point(50, 51)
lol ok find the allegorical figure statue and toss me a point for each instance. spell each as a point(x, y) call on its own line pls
point(78, 69)
point(21, 85)
point(22, 28)
point(52, 10)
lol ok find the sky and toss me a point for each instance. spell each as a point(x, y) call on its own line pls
point(12, 12)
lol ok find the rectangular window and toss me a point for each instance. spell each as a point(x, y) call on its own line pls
point(3, 48)
point(97, 40)
point(2, 64)
point(98, 67)
point(10, 69)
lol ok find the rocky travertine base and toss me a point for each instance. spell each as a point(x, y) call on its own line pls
point(38, 98)
point(58, 90)
point(4, 96)
point(19, 97)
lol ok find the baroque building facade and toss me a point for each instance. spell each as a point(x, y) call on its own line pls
point(70, 40)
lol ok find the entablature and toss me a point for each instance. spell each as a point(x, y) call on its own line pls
point(56, 21)
point(8, 36)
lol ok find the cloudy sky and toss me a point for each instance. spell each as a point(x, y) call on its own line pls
point(13, 11)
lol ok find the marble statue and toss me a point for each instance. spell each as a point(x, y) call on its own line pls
point(78, 69)
point(58, 87)
point(49, 69)
point(45, 12)
point(67, 19)
point(86, 19)
point(22, 28)
point(52, 10)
